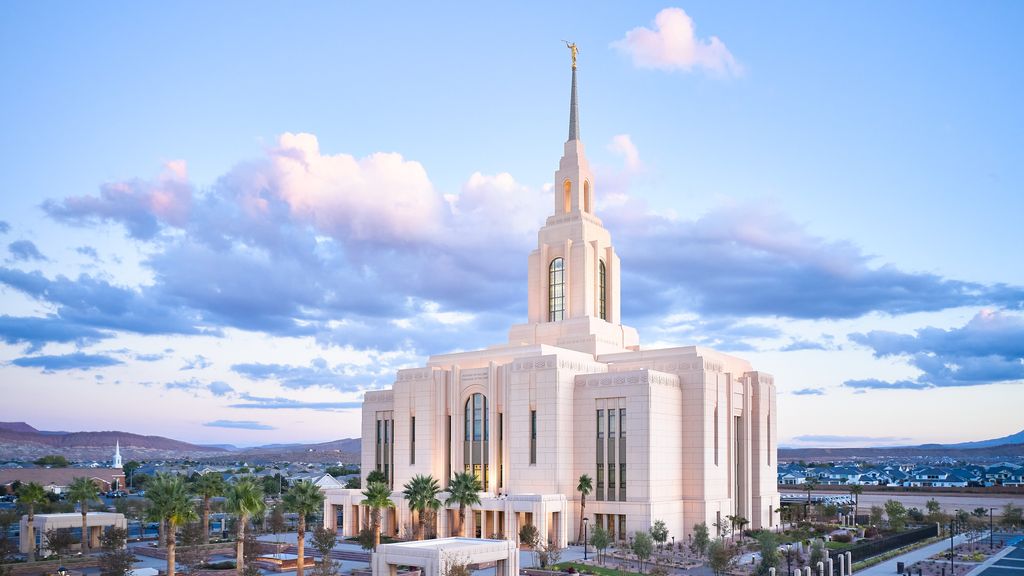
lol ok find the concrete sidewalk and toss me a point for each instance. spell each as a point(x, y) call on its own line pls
point(888, 568)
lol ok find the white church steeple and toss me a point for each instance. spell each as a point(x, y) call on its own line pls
point(117, 454)
point(574, 272)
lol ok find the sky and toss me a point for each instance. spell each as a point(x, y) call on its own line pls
point(224, 222)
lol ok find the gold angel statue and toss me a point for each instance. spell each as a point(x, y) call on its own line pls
point(572, 48)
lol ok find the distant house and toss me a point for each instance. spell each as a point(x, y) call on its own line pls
point(57, 480)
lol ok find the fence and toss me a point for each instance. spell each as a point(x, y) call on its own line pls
point(876, 547)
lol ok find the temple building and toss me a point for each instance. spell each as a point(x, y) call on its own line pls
point(684, 435)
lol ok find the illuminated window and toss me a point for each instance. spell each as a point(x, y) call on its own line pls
point(602, 302)
point(567, 197)
point(586, 196)
point(476, 432)
point(556, 290)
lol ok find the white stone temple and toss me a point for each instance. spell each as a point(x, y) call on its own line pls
point(684, 435)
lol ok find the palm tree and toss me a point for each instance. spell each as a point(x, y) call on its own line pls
point(585, 486)
point(809, 486)
point(421, 492)
point(463, 489)
point(245, 499)
point(303, 498)
point(208, 485)
point(856, 490)
point(378, 497)
point(172, 503)
point(31, 494)
point(83, 490)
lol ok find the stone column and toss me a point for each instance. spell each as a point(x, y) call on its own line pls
point(807, 571)
point(842, 564)
point(849, 563)
point(771, 571)
point(821, 569)
point(828, 567)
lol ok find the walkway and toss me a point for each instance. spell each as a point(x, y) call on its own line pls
point(888, 568)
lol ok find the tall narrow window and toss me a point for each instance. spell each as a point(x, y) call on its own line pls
point(475, 452)
point(716, 435)
point(556, 290)
point(586, 196)
point(501, 454)
point(769, 439)
point(567, 197)
point(533, 436)
point(412, 440)
point(602, 302)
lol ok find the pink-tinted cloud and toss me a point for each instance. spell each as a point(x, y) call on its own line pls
point(673, 45)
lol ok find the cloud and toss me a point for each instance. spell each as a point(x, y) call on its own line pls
point(89, 252)
point(149, 357)
point(140, 205)
point(192, 385)
point(343, 377)
point(4, 227)
point(219, 388)
point(262, 403)
point(750, 260)
point(723, 333)
point(988, 349)
point(38, 331)
point(838, 439)
point(198, 362)
point(73, 361)
point(239, 425)
point(25, 250)
point(622, 145)
point(800, 345)
point(809, 392)
point(673, 45)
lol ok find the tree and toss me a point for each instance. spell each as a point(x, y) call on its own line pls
point(117, 558)
point(305, 499)
point(876, 515)
point(817, 552)
point(741, 522)
point(172, 503)
point(934, 510)
point(769, 545)
point(274, 484)
point(421, 492)
point(721, 556)
point(30, 495)
point(600, 540)
point(353, 483)
point(192, 556)
point(897, 514)
point(856, 490)
point(1012, 515)
point(244, 500)
point(464, 490)
point(376, 476)
point(529, 535)
point(642, 547)
point(277, 523)
point(377, 496)
point(584, 486)
point(324, 540)
point(915, 514)
point(455, 565)
point(701, 539)
point(83, 490)
point(207, 486)
point(52, 461)
point(809, 485)
point(59, 541)
point(659, 532)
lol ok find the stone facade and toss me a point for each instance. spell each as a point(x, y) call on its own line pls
point(684, 435)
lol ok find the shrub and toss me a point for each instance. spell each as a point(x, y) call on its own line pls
point(844, 537)
point(871, 532)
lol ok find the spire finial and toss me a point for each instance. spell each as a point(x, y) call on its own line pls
point(574, 127)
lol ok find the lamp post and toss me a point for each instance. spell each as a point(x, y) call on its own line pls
point(673, 545)
point(991, 529)
point(586, 525)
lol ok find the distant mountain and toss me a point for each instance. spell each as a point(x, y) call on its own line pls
point(1017, 438)
point(934, 451)
point(347, 450)
point(20, 441)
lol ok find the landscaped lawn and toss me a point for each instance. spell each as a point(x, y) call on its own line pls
point(599, 570)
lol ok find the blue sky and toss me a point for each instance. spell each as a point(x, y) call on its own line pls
point(225, 222)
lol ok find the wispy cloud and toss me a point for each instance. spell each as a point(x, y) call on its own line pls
point(25, 250)
point(839, 439)
point(239, 425)
point(673, 44)
point(809, 392)
point(262, 403)
point(4, 227)
point(988, 349)
point(197, 362)
point(74, 361)
point(622, 145)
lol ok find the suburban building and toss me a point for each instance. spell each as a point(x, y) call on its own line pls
point(684, 435)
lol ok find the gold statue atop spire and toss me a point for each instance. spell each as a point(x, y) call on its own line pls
point(572, 48)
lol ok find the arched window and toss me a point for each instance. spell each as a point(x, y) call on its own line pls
point(567, 196)
point(586, 196)
point(556, 290)
point(602, 301)
point(477, 434)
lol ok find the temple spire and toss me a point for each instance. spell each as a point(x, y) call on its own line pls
point(574, 125)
